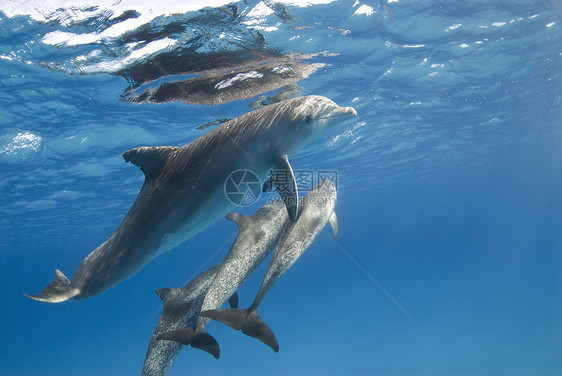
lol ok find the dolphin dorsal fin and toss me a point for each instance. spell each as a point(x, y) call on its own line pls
point(163, 293)
point(149, 159)
point(242, 221)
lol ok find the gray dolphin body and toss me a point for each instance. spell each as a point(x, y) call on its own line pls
point(257, 236)
point(181, 309)
point(318, 209)
point(183, 192)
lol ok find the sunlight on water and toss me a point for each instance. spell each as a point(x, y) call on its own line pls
point(19, 147)
point(448, 179)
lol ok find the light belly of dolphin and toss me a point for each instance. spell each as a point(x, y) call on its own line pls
point(183, 190)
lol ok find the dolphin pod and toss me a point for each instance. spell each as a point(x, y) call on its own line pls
point(183, 192)
point(257, 236)
point(318, 210)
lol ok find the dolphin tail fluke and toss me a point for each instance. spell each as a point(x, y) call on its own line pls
point(57, 291)
point(183, 336)
point(257, 328)
point(204, 341)
point(246, 320)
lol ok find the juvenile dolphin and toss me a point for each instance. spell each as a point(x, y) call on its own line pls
point(183, 192)
point(257, 236)
point(181, 309)
point(318, 209)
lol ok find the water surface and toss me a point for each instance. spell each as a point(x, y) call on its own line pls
point(448, 260)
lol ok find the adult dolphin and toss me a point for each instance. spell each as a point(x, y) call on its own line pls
point(318, 209)
point(183, 192)
point(181, 307)
point(257, 236)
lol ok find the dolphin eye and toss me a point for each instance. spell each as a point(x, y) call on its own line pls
point(308, 118)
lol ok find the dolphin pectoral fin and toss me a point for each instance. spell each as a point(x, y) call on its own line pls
point(204, 341)
point(255, 327)
point(334, 223)
point(233, 300)
point(291, 201)
point(268, 185)
point(183, 336)
point(287, 188)
point(149, 159)
point(232, 317)
point(284, 179)
point(57, 291)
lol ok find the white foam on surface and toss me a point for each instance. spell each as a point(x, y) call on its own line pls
point(364, 9)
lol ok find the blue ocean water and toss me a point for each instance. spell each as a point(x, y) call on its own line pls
point(448, 260)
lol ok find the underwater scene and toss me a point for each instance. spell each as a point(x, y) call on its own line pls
point(295, 187)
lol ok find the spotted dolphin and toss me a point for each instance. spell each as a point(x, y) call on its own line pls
point(318, 209)
point(181, 307)
point(257, 236)
point(183, 192)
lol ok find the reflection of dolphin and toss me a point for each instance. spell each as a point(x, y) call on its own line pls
point(181, 309)
point(298, 236)
point(183, 192)
point(257, 236)
point(217, 85)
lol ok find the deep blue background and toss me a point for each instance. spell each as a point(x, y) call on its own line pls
point(449, 200)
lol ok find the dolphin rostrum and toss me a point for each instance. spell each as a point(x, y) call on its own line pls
point(181, 309)
point(257, 236)
point(318, 209)
point(183, 191)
